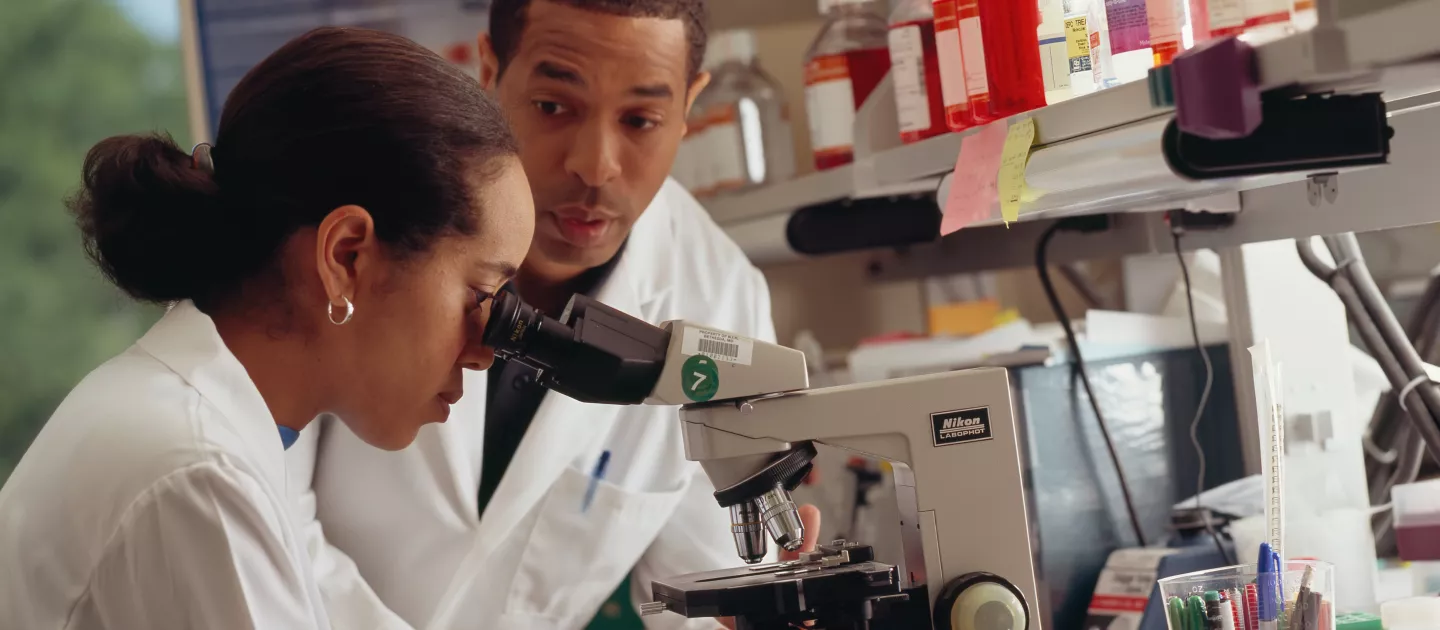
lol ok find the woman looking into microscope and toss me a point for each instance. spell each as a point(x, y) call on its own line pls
point(334, 252)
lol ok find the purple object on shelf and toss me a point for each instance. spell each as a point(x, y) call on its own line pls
point(1216, 92)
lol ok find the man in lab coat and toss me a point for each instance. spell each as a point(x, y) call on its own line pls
point(482, 523)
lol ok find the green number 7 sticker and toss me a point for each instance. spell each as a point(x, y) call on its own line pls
point(699, 378)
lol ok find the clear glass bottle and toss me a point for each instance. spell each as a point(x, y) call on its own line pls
point(915, 70)
point(842, 67)
point(749, 126)
point(696, 151)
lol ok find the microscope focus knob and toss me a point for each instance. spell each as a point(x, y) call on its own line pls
point(981, 601)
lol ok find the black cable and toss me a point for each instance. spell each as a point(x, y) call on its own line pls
point(1175, 232)
point(1079, 365)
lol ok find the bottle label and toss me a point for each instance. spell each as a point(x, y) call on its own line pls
point(727, 153)
point(1077, 44)
point(1263, 12)
point(1128, 25)
point(1054, 58)
point(830, 102)
point(952, 65)
point(907, 67)
point(972, 50)
point(1227, 17)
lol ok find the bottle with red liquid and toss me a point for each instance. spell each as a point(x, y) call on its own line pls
point(952, 66)
point(915, 69)
point(1008, 29)
point(843, 66)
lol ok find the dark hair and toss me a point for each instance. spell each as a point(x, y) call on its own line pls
point(337, 116)
point(507, 22)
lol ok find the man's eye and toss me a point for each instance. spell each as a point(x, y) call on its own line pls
point(551, 108)
point(640, 122)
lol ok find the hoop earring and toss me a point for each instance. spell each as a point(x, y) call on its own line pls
point(349, 311)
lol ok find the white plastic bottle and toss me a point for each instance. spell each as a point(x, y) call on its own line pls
point(748, 126)
point(1267, 20)
point(1102, 67)
point(1077, 46)
point(1054, 52)
point(843, 66)
point(1128, 28)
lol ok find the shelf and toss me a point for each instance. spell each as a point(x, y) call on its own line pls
point(1102, 152)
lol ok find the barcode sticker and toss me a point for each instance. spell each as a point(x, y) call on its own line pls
point(717, 345)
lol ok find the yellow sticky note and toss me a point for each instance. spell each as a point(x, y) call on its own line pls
point(1011, 182)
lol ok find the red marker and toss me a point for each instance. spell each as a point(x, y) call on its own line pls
point(1252, 607)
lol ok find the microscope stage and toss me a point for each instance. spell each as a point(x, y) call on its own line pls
point(839, 578)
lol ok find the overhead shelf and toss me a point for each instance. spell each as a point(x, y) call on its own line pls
point(1103, 152)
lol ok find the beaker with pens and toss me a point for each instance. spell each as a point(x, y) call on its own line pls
point(1252, 597)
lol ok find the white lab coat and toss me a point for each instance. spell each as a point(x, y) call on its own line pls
point(409, 519)
point(155, 497)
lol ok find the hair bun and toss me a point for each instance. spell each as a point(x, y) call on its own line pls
point(149, 217)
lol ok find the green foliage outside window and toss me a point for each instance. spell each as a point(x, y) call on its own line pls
point(71, 73)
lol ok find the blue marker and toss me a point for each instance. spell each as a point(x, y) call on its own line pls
point(1265, 586)
point(595, 477)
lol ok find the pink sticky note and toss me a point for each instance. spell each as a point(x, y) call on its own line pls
point(973, 191)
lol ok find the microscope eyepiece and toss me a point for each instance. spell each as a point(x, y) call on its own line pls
point(593, 353)
point(517, 330)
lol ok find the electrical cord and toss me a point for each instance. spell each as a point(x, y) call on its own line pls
point(1176, 232)
point(1041, 267)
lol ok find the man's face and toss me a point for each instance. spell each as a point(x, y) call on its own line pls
point(598, 103)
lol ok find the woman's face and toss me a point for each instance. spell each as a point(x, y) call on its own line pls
point(418, 322)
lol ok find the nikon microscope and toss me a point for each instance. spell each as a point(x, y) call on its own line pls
point(752, 424)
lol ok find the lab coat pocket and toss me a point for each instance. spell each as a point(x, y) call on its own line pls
point(576, 554)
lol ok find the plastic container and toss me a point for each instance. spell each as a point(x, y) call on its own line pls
point(1241, 583)
point(843, 66)
point(1102, 67)
point(1077, 47)
point(953, 93)
point(1129, 26)
point(1303, 15)
point(972, 50)
point(1054, 56)
point(1417, 520)
point(1267, 20)
point(748, 120)
point(1413, 613)
point(1167, 19)
point(1210, 19)
point(915, 69)
point(1008, 30)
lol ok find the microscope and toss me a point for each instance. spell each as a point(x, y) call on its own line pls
point(752, 424)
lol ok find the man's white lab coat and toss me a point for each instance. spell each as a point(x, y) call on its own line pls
point(409, 520)
point(155, 497)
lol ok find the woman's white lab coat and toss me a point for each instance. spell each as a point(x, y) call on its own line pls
point(155, 497)
point(538, 560)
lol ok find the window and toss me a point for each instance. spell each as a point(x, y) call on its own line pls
point(73, 72)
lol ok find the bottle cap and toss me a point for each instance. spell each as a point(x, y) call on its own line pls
point(735, 45)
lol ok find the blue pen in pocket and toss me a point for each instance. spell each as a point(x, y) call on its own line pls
point(595, 477)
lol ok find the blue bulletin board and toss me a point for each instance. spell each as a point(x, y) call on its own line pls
point(231, 36)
